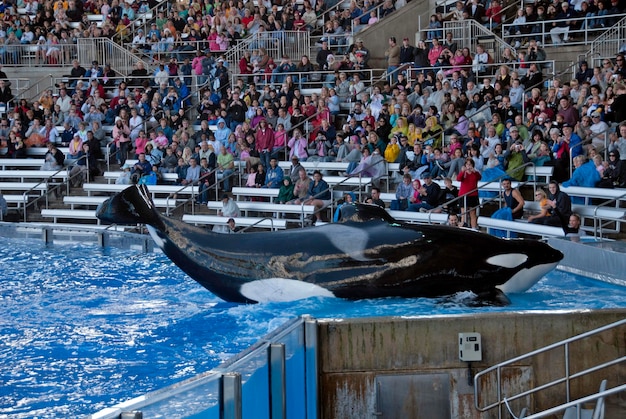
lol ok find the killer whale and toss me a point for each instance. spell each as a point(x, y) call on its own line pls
point(368, 255)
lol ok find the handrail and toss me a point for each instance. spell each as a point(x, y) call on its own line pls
point(140, 22)
point(502, 13)
point(367, 12)
point(371, 71)
point(193, 196)
point(257, 223)
point(487, 183)
point(609, 42)
point(586, 32)
point(35, 85)
point(578, 402)
point(567, 375)
point(469, 32)
point(597, 226)
point(47, 181)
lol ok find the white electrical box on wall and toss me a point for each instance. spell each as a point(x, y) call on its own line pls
point(470, 347)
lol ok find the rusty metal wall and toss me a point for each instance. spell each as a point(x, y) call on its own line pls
point(354, 352)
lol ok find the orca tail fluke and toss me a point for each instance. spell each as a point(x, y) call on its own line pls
point(131, 206)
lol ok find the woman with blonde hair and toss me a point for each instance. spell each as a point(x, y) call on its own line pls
point(542, 198)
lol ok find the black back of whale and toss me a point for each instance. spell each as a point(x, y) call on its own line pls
point(369, 255)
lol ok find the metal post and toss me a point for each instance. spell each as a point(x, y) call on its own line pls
point(278, 382)
point(231, 396)
point(311, 368)
point(103, 239)
point(47, 235)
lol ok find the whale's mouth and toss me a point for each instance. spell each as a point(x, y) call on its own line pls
point(525, 278)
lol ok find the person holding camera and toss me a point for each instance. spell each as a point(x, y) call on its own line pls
point(515, 155)
point(469, 178)
point(121, 138)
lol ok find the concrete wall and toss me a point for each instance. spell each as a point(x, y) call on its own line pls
point(353, 352)
point(401, 24)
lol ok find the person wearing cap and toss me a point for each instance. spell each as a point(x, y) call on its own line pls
point(356, 48)
point(229, 209)
point(599, 130)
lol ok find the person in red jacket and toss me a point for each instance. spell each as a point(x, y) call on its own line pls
point(469, 178)
point(264, 142)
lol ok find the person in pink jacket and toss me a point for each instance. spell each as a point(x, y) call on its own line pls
point(298, 145)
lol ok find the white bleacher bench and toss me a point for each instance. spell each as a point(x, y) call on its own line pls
point(619, 195)
point(521, 227)
point(20, 163)
point(274, 224)
point(154, 190)
point(41, 151)
point(15, 201)
point(393, 167)
point(311, 166)
point(98, 19)
point(310, 91)
point(246, 192)
point(111, 177)
point(419, 217)
point(74, 200)
point(606, 215)
point(211, 127)
point(539, 173)
point(69, 214)
point(22, 175)
point(364, 182)
point(266, 207)
point(24, 186)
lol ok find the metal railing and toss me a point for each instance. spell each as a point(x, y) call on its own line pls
point(293, 44)
point(303, 79)
point(610, 42)
point(568, 376)
point(598, 225)
point(104, 50)
point(584, 34)
point(470, 34)
point(38, 55)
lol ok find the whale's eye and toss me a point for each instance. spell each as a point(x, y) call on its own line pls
point(508, 260)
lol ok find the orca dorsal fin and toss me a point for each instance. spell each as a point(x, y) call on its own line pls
point(365, 212)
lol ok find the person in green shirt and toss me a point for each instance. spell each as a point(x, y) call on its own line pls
point(225, 167)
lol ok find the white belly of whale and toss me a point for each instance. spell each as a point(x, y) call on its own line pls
point(281, 290)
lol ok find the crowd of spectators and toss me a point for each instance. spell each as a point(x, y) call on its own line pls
point(447, 104)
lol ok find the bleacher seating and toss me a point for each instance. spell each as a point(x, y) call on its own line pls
point(538, 175)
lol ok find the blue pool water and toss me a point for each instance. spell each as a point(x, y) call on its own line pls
point(82, 328)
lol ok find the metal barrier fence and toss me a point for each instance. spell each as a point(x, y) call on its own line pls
point(293, 44)
point(609, 43)
point(586, 30)
point(106, 51)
